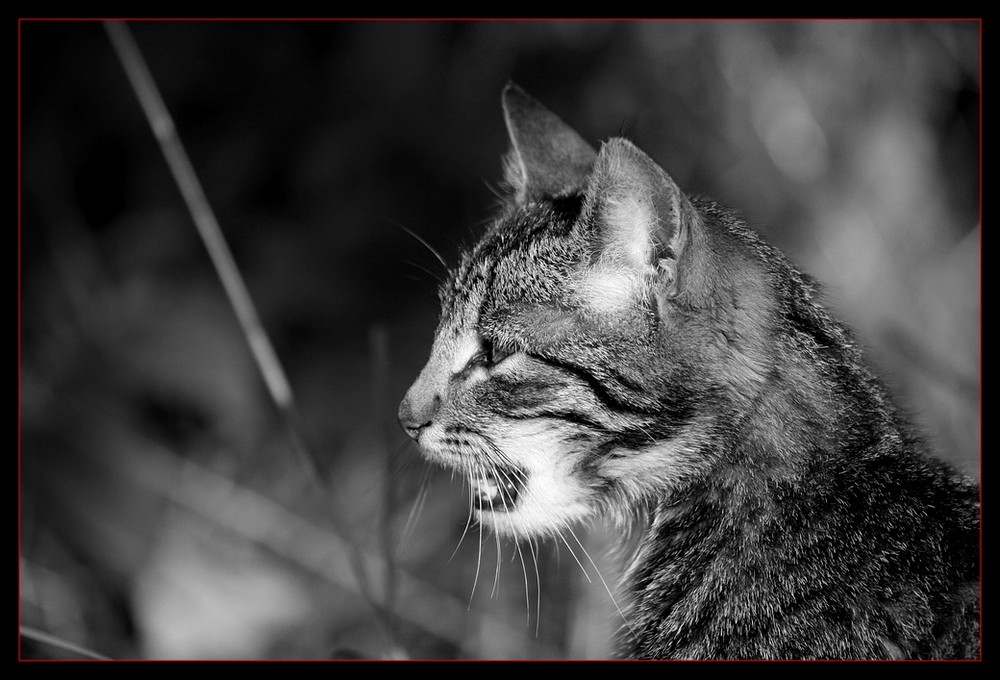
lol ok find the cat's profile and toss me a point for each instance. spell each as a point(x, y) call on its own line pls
point(613, 348)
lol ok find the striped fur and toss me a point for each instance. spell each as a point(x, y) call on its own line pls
point(611, 348)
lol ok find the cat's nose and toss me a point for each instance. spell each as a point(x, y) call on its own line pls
point(414, 418)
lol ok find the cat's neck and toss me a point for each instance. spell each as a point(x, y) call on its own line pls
point(708, 554)
point(719, 559)
point(726, 544)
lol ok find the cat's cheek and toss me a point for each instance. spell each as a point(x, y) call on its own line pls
point(648, 471)
point(554, 496)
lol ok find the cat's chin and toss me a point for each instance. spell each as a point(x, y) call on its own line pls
point(526, 504)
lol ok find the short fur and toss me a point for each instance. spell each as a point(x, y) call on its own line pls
point(612, 348)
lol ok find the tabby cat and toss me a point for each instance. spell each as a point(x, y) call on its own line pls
point(614, 348)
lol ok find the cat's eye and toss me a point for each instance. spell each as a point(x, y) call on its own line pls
point(497, 353)
point(491, 353)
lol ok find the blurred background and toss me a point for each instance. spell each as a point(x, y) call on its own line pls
point(164, 513)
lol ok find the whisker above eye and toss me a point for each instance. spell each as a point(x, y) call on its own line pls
point(423, 242)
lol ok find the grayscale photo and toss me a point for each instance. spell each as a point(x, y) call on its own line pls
point(499, 340)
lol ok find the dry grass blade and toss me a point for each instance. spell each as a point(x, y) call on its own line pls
point(55, 641)
point(204, 218)
point(236, 290)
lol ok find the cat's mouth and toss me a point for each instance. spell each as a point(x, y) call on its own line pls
point(497, 489)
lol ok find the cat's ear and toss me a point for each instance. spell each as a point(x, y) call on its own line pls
point(547, 158)
point(636, 212)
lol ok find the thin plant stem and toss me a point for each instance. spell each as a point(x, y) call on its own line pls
point(204, 218)
point(49, 639)
point(263, 352)
point(378, 343)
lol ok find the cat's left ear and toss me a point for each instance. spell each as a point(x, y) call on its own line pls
point(548, 158)
point(639, 216)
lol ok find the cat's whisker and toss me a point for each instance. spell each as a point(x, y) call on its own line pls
point(479, 553)
point(470, 518)
point(506, 480)
point(605, 583)
point(498, 454)
point(502, 475)
point(435, 279)
point(416, 509)
point(645, 432)
point(413, 278)
point(423, 242)
point(497, 193)
point(527, 594)
point(575, 558)
point(401, 462)
point(468, 524)
point(538, 586)
point(496, 574)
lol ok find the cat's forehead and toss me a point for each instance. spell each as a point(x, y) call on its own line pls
point(524, 258)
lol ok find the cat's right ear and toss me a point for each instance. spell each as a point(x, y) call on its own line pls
point(548, 158)
point(640, 220)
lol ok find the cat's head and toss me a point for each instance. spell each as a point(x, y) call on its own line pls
point(564, 379)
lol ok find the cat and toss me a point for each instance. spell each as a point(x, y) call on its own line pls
point(613, 348)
